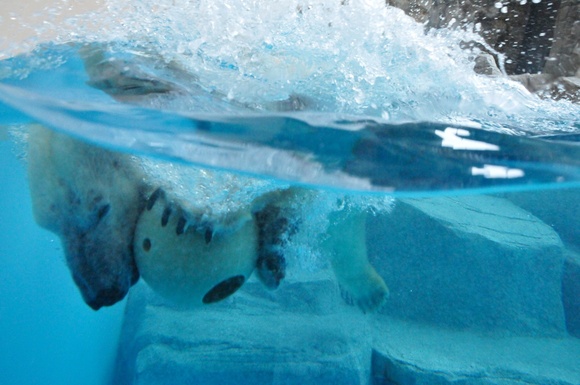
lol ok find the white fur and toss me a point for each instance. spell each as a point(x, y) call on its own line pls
point(183, 268)
point(346, 243)
point(90, 197)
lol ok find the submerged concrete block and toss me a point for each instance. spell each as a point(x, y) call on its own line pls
point(413, 354)
point(470, 262)
point(262, 344)
point(248, 339)
point(471, 279)
point(571, 293)
point(559, 208)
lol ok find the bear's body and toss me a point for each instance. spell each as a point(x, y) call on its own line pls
point(193, 263)
point(113, 228)
point(92, 198)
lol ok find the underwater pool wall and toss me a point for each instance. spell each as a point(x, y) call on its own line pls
point(482, 292)
point(48, 335)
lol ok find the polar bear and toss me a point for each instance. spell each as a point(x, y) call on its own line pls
point(272, 216)
point(92, 199)
point(116, 225)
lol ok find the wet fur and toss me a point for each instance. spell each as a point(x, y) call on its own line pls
point(90, 198)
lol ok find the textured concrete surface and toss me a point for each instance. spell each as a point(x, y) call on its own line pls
point(482, 292)
point(472, 262)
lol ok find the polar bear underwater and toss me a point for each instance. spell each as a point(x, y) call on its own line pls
point(117, 223)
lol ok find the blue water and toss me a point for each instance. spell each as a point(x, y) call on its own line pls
point(272, 95)
point(49, 335)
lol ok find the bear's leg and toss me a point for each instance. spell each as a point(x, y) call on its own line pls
point(273, 230)
point(346, 243)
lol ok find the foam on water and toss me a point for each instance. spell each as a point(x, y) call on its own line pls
point(352, 57)
point(359, 58)
point(346, 57)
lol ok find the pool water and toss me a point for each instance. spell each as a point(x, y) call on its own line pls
point(468, 188)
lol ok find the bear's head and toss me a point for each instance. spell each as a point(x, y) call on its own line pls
point(91, 198)
point(99, 253)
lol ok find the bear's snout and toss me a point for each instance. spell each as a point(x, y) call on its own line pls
point(102, 264)
point(106, 297)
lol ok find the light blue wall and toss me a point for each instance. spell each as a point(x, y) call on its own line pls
point(47, 334)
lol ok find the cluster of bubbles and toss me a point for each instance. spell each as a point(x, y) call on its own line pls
point(349, 57)
point(356, 57)
point(219, 195)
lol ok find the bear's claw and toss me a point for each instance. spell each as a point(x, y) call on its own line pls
point(184, 221)
point(103, 211)
point(153, 198)
point(208, 235)
point(181, 225)
point(165, 216)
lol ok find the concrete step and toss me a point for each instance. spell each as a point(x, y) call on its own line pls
point(407, 353)
point(475, 262)
point(244, 340)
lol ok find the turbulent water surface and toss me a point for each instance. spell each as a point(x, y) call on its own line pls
point(356, 97)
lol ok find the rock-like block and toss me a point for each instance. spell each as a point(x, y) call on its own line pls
point(247, 339)
point(412, 354)
point(470, 262)
point(571, 293)
point(559, 208)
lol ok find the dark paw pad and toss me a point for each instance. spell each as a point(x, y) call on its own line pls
point(224, 289)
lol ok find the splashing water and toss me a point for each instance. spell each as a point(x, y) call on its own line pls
point(346, 57)
point(355, 58)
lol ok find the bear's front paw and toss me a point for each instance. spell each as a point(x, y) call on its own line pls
point(271, 267)
point(185, 219)
point(373, 300)
point(274, 231)
point(369, 292)
point(181, 257)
